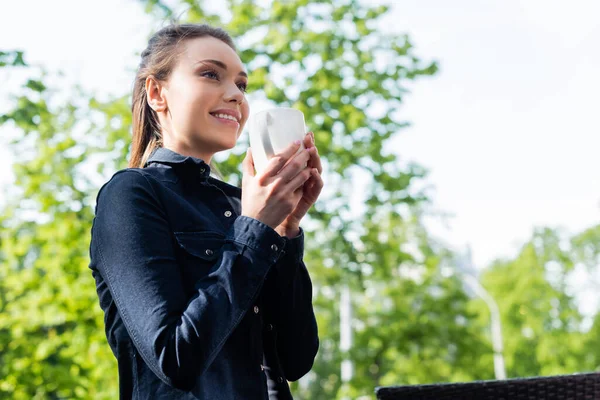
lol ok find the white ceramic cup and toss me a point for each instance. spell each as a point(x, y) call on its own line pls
point(271, 131)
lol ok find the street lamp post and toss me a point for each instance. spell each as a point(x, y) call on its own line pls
point(346, 331)
point(347, 369)
point(465, 266)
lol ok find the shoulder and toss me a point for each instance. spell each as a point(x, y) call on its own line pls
point(128, 185)
point(126, 180)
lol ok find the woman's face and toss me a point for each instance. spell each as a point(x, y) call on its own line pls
point(205, 97)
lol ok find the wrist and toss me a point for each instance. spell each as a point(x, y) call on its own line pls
point(289, 231)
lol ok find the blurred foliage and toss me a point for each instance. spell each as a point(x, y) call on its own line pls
point(544, 332)
point(412, 321)
point(12, 58)
point(52, 343)
point(540, 320)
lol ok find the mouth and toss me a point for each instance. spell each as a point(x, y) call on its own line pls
point(226, 118)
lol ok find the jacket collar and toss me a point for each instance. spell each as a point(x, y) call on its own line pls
point(163, 155)
point(195, 166)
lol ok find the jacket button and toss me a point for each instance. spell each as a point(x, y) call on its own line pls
point(202, 170)
point(228, 213)
point(256, 309)
point(209, 252)
point(262, 367)
point(274, 247)
point(280, 379)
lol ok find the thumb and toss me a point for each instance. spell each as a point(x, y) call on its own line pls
point(248, 163)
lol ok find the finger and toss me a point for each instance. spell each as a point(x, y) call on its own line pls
point(308, 140)
point(297, 198)
point(295, 166)
point(310, 183)
point(299, 192)
point(315, 159)
point(248, 163)
point(318, 179)
point(278, 160)
point(299, 180)
point(316, 184)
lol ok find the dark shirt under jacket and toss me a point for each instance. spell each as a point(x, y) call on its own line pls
point(199, 302)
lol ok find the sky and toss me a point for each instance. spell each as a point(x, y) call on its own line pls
point(508, 128)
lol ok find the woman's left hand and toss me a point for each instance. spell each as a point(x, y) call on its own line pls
point(290, 227)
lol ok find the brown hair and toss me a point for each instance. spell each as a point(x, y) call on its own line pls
point(158, 59)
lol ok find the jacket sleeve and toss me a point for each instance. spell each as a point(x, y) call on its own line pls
point(132, 248)
point(294, 317)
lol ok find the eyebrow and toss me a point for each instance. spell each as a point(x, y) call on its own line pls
point(221, 65)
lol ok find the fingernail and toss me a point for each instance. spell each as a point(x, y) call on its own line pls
point(297, 141)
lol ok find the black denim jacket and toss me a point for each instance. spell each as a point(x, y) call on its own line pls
point(199, 302)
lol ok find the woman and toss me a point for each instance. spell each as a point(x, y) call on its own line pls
point(203, 286)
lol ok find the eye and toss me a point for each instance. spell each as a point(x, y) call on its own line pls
point(210, 74)
point(243, 86)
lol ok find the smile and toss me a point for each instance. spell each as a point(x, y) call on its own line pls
point(225, 116)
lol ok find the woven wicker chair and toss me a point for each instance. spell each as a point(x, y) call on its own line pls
point(565, 387)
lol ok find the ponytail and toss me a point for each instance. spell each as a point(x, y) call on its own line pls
point(146, 129)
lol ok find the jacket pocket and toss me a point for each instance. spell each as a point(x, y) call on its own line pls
point(204, 245)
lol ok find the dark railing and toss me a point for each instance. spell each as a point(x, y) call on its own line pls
point(563, 387)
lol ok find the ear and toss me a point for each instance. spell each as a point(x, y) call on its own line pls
point(155, 95)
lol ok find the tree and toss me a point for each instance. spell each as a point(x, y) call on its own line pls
point(52, 343)
point(412, 322)
point(586, 253)
point(542, 326)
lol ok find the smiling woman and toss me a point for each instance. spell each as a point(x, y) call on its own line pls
point(203, 285)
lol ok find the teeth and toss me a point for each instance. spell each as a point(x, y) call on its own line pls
point(226, 116)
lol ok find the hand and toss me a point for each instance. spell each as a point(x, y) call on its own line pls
point(311, 191)
point(273, 194)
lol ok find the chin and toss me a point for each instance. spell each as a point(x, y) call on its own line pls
point(220, 141)
point(227, 145)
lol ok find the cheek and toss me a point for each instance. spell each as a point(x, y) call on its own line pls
point(245, 109)
point(182, 104)
point(192, 112)
point(192, 98)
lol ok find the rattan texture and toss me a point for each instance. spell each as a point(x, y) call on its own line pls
point(563, 387)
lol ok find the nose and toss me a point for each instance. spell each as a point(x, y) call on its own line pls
point(233, 94)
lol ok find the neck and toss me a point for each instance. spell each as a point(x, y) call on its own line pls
point(187, 150)
point(183, 147)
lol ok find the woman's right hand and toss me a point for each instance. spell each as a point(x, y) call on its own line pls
point(273, 194)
